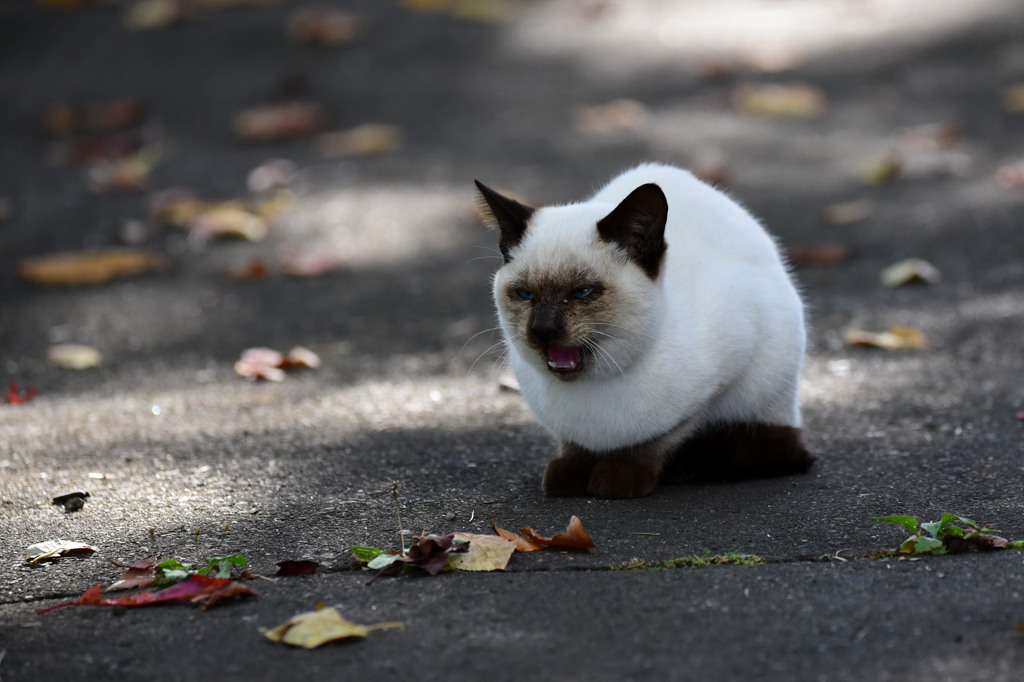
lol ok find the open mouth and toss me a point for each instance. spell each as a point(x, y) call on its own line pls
point(564, 360)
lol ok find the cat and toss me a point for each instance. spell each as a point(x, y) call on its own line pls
point(655, 331)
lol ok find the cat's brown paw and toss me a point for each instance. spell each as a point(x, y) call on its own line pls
point(567, 476)
point(622, 479)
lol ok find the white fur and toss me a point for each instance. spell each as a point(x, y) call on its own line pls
point(719, 337)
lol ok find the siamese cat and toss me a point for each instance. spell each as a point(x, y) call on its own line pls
point(655, 331)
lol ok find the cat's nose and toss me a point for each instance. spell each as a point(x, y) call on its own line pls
point(546, 324)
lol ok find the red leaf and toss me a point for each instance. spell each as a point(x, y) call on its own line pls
point(200, 589)
point(291, 568)
point(574, 537)
point(15, 398)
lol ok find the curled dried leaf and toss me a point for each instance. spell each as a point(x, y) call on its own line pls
point(847, 212)
point(575, 536)
point(276, 122)
point(911, 270)
point(827, 254)
point(314, 628)
point(363, 140)
point(899, 337)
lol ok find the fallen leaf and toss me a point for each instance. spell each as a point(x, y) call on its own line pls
point(277, 122)
point(261, 363)
point(574, 537)
point(828, 254)
point(363, 140)
point(211, 597)
point(148, 15)
point(431, 553)
point(73, 356)
point(124, 174)
point(486, 553)
point(14, 397)
point(139, 574)
point(324, 27)
point(89, 267)
point(898, 337)
point(300, 357)
point(227, 219)
point(256, 268)
point(1010, 175)
point(1013, 98)
point(71, 501)
point(621, 114)
point(522, 544)
point(310, 265)
point(847, 212)
point(292, 568)
point(55, 549)
point(197, 589)
point(794, 100)
point(941, 135)
point(882, 170)
point(271, 175)
point(908, 271)
point(62, 119)
point(313, 628)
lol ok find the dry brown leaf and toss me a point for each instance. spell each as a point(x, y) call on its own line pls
point(139, 574)
point(827, 254)
point(211, 598)
point(73, 356)
point(621, 114)
point(909, 271)
point(148, 15)
point(257, 268)
point(486, 553)
point(130, 173)
point(521, 543)
point(74, 268)
point(899, 337)
point(276, 122)
point(794, 100)
point(847, 212)
point(363, 140)
point(574, 537)
point(313, 628)
point(322, 26)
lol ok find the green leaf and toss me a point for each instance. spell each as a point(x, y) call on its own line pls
point(364, 553)
point(382, 560)
point(955, 531)
point(1015, 544)
point(221, 567)
point(922, 545)
point(932, 528)
point(908, 522)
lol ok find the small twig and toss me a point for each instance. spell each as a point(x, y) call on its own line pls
point(398, 512)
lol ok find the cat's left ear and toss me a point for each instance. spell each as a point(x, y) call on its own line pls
point(511, 216)
point(638, 226)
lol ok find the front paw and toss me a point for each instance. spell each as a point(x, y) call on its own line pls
point(567, 476)
point(622, 479)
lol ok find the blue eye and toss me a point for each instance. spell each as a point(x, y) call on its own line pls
point(583, 293)
point(524, 294)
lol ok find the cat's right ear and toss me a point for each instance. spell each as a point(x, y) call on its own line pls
point(510, 216)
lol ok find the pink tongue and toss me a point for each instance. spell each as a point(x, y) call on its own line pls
point(563, 358)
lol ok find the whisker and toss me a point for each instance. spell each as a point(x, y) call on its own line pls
point(492, 329)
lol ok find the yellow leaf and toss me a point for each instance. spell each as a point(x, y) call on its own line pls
point(90, 267)
point(898, 337)
point(363, 140)
point(797, 100)
point(74, 356)
point(847, 212)
point(313, 628)
point(486, 553)
point(910, 270)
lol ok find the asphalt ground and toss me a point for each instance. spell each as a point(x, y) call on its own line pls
point(183, 458)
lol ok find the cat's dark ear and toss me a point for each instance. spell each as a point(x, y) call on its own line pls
point(638, 226)
point(511, 217)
